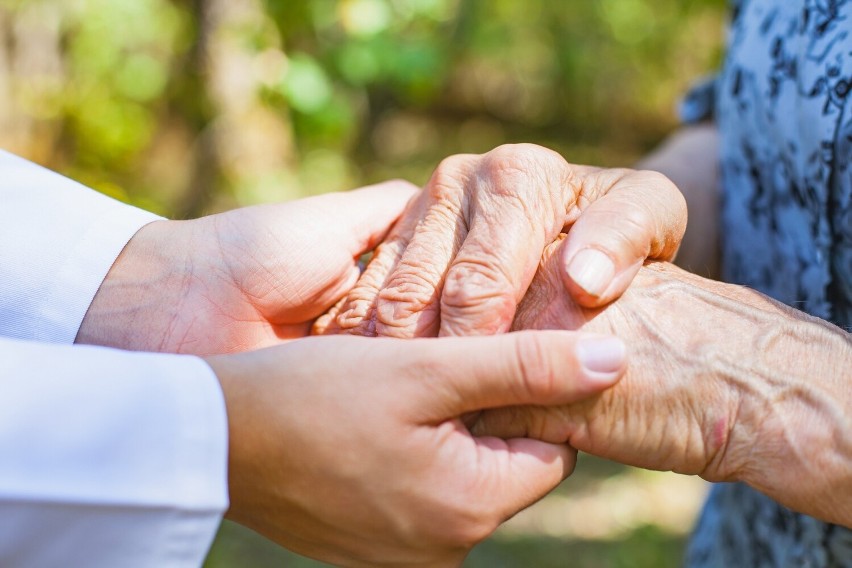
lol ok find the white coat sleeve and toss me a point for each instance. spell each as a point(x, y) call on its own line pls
point(107, 458)
point(58, 240)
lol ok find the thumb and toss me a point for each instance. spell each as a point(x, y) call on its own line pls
point(521, 471)
point(642, 215)
point(358, 220)
point(529, 367)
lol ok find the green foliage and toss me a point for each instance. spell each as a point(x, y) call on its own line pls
point(646, 547)
point(381, 88)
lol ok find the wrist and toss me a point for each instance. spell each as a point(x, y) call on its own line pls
point(227, 371)
point(792, 434)
point(137, 301)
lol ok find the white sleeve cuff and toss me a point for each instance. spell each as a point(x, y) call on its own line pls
point(112, 458)
point(59, 241)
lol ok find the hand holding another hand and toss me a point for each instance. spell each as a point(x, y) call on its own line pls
point(240, 280)
point(351, 450)
point(723, 382)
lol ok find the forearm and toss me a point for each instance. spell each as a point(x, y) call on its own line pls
point(690, 158)
point(723, 382)
point(791, 434)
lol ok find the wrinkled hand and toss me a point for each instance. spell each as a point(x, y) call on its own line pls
point(351, 450)
point(240, 280)
point(662, 415)
point(467, 248)
point(723, 382)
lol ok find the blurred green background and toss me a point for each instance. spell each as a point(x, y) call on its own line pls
point(190, 107)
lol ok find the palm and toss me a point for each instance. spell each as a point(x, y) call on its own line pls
point(261, 275)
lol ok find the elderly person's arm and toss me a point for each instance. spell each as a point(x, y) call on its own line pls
point(723, 382)
point(690, 158)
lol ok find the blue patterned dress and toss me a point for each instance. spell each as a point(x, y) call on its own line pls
point(784, 112)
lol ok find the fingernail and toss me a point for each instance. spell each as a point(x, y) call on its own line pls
point(592, 271)
point(601, 355)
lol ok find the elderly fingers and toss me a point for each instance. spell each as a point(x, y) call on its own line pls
point(409, 304)
point(519, 204)
point(638, 215)
point(356, 313)
point(546, 305)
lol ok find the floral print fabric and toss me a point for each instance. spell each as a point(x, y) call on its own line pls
point(784, 115)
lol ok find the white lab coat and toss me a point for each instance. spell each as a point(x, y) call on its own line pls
point(107, 458)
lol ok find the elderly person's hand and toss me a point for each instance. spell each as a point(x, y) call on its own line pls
point(722, 382)
point(466, 249)
point(239, 280)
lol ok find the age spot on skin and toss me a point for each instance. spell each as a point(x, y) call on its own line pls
point(720, 433)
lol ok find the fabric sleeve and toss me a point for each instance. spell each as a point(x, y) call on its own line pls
point(59, 240)
point(109, 458)
point(699, 103)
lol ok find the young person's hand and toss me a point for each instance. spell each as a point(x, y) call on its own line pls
point(351, 450)
point(240, 280)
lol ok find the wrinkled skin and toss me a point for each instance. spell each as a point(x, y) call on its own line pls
point(665, 414)
point(722, 382)
point(466, 249)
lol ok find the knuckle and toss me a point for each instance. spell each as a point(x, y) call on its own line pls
point(510, 167)
point(356, 314)
point(622, 228)
point(513, 156)
point(406, 298)
point(478, 298)
point(449, 178)
point(470, 282)
point(601, 182)
point(409, 285)
point(661, 189)
point(530, 177)
point(326, 324)
point(671, 197)
point(636, 223)
point(356, 317)
point(665, 212)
